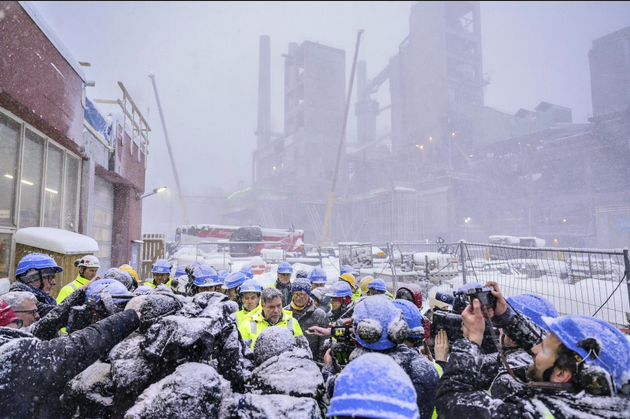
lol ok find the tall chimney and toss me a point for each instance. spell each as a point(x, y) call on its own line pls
point(263, 132)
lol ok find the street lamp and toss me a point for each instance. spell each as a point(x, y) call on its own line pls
point(156, 190)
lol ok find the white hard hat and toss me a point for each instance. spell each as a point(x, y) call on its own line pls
point(88, 261)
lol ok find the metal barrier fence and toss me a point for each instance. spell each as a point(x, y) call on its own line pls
point(591, 282)
point(222, 254)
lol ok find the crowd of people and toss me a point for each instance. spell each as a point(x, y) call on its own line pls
point(198, 343)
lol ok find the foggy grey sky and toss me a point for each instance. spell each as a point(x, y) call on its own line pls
point(205, 57)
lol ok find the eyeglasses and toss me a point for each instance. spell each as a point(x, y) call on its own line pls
point(31, 312)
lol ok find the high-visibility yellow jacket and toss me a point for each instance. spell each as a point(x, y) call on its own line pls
point(151, 284)
point(253, 326)
point(356, 293)
point(242, 314)
point(71, 287)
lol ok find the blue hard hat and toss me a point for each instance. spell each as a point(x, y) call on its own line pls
point(412, 316)
point(614, 356)
point(205, 276)
point(162, 266)
point(36, 261)
point(534, 307)
point(347, 269)
point(234, 280)
point(374, 386)
point(285, 268)
point(318, 276)
point(378, 284)
point(113, 287)
point(222, 275)
point(180, 271)
point(251, 285)
point(374, 319)
point(248, 271)
point(339, 289)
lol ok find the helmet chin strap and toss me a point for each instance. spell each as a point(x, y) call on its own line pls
point(41, 280)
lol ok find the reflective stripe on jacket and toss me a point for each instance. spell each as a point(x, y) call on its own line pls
point(71, 287)
point(252, 327)
point(242, 314)
point(151, 284)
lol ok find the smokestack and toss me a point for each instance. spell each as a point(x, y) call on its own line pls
point(263, 133)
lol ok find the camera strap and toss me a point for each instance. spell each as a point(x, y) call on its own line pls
point(569, 387)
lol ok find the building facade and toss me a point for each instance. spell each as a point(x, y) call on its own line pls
point(60, 168)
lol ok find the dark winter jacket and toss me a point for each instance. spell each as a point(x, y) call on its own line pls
point(45, 303)
point(259, 406)
point(422, 372)
point(461, 395)
point(518, 359)
point(33, 373)
point(192, 391)
point(312, 316)
point(48, 326)
point(292, 373)
point(285, 289)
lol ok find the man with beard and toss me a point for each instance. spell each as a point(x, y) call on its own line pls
point(580, 369)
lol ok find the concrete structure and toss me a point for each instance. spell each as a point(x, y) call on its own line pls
point(65, 166)
point(451, 166)
point(293, 169)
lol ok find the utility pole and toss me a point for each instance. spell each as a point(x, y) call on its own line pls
point(170, 152)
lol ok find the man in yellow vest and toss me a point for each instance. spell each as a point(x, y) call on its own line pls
point(88, 267)
point(271, 314)
point(250, 298)
point(161, 274)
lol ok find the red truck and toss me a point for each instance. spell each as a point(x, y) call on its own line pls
point(255, 238)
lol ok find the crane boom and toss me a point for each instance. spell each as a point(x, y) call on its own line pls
point(331, 195)
point(170, 152)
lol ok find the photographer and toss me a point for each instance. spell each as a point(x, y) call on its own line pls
point(579, 368)
point(98, 306)
point(378, 326)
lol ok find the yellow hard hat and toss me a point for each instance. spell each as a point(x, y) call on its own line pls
point(349, 278)
point(364, 283)
point(129, 269)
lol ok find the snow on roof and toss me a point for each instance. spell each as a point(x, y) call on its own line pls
point(56, 240)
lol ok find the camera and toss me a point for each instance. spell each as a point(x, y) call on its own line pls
point(483, 294)
point(451, 321)
point(94, 310)
point(341, 343)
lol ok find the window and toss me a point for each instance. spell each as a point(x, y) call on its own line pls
point(5, 250)
point(52, 190)
point(31, 197)
point(9, 142)
point(71, 199)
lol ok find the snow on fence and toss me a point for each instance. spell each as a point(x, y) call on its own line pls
point(591, 282)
